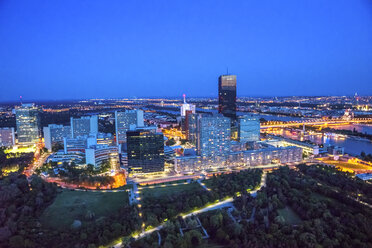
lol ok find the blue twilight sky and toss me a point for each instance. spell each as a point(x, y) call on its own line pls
point(73, 49)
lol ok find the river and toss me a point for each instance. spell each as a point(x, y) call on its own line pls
point(352, 146)
point(362, 128)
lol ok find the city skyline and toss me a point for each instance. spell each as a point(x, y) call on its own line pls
point(146, 50)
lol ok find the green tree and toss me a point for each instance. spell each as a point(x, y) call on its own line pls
point(16, 241)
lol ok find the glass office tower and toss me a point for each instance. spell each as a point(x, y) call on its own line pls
point(145, 151)
point(27, 122)
point(249, 128)
point(227, 96)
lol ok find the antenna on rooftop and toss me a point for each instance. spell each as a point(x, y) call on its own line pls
point(20, 99)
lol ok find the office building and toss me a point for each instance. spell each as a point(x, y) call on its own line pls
point(145, 151)
point(7, 137)
point(54, 134)
point(99, 154)
point(75, 145)
point(123, 122)
point(248, 129)
point(227, 96)
point(27, 122)
point(84, 126)
point(192, 121)
point(213, 136)
point(187, 107)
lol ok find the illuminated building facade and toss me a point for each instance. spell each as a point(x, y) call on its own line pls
point(99, 154)
point(213, 136)
point(227, 96)
point(55, 133)
point(75, 145)
point(245, 158)
point(123, 122)
point(7, 137)
point(27, 122)
point(192, 127)
point(145, 151)
point(187, 107)
point(84, 126)
point(248, 129)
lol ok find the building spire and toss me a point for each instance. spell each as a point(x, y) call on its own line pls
point(184, 98)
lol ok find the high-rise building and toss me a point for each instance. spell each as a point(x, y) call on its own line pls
point(123, 122)
point(213, 136)
point(248, 128)
point(7, 137)
point(27, 122)
point(187, 107)
point(227, 96)
point(54, 134)
point(145, 151)
point(84, 126)
point(192, 127)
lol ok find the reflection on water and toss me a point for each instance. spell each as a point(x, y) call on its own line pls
point(352, 146)
point(358, 127)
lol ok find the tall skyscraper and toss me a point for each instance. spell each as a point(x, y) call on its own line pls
point(145, 151)
point(55, 133)
point(123, 122)
point(191, 121)
point(27, 122)
point(213, 136)
point(248, 128)
point(7, 137)
point(84, 126)
point(227, 96)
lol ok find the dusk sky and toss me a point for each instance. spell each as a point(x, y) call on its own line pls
point(74, 49)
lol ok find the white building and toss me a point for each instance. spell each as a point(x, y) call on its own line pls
point(187, 107)
point(7, 137)
point(124, 121)
point(84, 126)
point(55, 133)
point(98, 154)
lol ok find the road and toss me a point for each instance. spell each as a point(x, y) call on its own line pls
point(38, 163)
point(221, 204)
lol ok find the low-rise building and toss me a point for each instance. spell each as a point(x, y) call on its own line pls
point(246, 158)
point(99, 154)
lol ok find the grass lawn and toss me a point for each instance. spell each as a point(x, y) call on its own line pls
point(169, 190)
point(289, 216)
point(72, 205)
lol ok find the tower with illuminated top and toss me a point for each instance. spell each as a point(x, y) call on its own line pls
point(187, 107)
point(227, 96)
